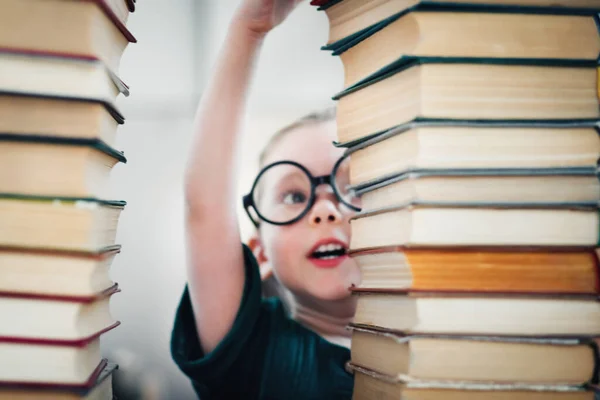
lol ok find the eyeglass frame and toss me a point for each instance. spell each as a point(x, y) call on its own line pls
point(315, 182)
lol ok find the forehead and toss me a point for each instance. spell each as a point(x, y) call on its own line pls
point(310, 145)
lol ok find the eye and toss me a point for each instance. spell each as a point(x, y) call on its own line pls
point(295, 197)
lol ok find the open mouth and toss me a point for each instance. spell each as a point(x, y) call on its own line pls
point(328, 253)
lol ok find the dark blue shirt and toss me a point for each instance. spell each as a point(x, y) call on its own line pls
point(266, 355)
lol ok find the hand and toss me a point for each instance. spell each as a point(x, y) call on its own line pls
point(260, 16)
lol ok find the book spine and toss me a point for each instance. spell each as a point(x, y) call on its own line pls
point(597, 269)
point(594, 345)
point(597, 21)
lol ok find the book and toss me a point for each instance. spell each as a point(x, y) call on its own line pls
point(121, 9)
point(461, 90)
point(35, 365)
point(45, 75)
point(372, 385)
point(463, 314)
point(474, 147)
point(101, 390)
point(58, 223)
point(56, 117)
point(90, 29)
point(55, 273)
point(464, 34)
point(59, 319)
point(474, 291)
point(319, 3)
point(508, 185)
point(54, 166)
point(471, 359)
point(351, 18)
point(510, 269)
point(471, 224)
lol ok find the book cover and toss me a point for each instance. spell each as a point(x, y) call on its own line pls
point(344, 44)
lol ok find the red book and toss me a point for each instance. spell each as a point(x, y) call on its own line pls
point(46, 272)
point(87, 28)
point(99, 386)
point(42, 319)
point(319, 3)
point(89, 381)
point(51, 365)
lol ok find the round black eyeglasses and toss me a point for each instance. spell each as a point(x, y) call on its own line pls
point(285, 191)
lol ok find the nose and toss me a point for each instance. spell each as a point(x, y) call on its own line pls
point(324, 211)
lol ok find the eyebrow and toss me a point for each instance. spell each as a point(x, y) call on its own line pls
point(277, 181)
point(289, 176)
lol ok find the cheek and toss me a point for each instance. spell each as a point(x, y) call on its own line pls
point(282, 244)
point(347, 214)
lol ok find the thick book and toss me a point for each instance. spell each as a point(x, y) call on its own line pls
point(74, 369)
point(45, 75)
point(44, 319)
point(101, 389)
point(507, 185)
point(76, 224)
point(56, 166)
point(55, 273)
point(88, 28)
point(351, 21)
point(468, 89)
point(472, 224)
point(463, 34)
point(437, 358)
point(489, 314)
point(464, 146)
point(369, 384)
point(510, 269)
point(41, 365)
point(57, 117)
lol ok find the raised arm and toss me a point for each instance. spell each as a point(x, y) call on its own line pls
point(215, 261)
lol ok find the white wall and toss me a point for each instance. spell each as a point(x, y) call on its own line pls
point(166, 70)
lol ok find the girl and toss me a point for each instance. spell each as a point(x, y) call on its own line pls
point(229, 341)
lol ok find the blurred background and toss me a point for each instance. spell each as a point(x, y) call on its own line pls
point(167, 70)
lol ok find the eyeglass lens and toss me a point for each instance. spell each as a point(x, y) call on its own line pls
point(282, 193)
point(341, 182)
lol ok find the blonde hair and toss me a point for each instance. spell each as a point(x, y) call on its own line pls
point(313, 118)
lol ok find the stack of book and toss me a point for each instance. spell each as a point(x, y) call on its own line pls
point(59, 61)
point(472, 132)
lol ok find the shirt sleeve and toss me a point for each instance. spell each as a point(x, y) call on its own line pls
point(235, 366)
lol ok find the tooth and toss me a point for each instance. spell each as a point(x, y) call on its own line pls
point(331, 247)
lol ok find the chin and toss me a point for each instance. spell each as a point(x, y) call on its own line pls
point(337, 284)
point(329, 290)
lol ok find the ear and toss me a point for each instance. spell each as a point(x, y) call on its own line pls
point(264, 266)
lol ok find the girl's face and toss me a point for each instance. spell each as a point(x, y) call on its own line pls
point(297, 253)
